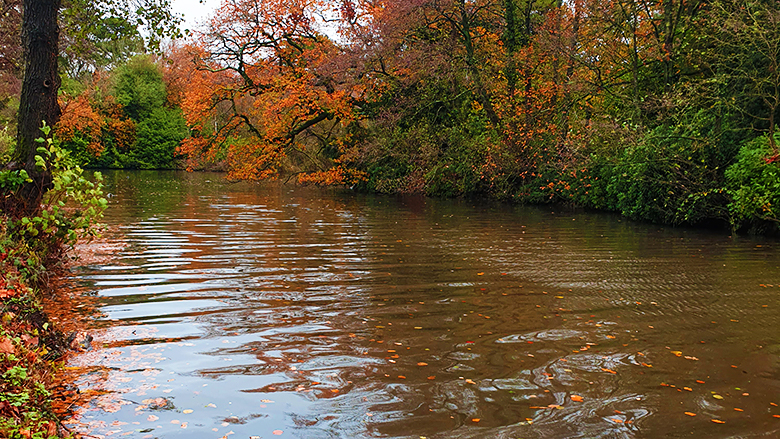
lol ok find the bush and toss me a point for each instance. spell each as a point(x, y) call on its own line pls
point(157, 138)
point(70, 211)
point(753, 183)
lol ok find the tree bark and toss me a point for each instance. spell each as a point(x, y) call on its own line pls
point(38, 102)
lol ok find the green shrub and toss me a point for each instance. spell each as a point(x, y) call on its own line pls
point(70, 211)
point(157, 138)
point(754, 186)
point(140, 89)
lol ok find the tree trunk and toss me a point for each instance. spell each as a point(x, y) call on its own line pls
point(38, 102)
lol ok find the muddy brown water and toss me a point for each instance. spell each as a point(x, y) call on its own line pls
point(240, 310)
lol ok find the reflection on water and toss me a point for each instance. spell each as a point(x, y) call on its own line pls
point(242, 311)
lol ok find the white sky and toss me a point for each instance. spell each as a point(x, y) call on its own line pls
point(194, 11)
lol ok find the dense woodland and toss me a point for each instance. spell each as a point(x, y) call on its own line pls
point(662, 110)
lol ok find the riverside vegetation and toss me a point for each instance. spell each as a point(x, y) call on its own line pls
point(32, 249)
point(661, 111)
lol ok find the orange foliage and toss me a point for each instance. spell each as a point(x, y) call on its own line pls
point(337, 175)
point(119, 126)
point(78, 117)
point(264, 73)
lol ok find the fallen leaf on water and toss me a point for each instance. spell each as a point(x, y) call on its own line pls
point(278, 432)
point(718, 421)
point(688, 389)
point(700, 381)
point(738, 409)
point(576, 398)
point(402, 377)
point(152, 418)
point(608, 370)
point(690, 414)
point(678, 353)
point(717, 396)
point(432, 377)
point(421, 363)
point(475, 420)
point(187, 412)
point(469, 381)
point(619, 421)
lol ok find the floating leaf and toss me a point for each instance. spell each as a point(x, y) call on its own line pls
point(576, 398)
point(717, 396)
point(278, 432)
point(187, 411)
point(690, 414)
point(718, 421)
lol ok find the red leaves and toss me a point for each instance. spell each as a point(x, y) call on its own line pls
point(79, 118)
point(6, 346)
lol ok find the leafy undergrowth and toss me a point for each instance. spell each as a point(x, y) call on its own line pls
point(32, 352)
point(29, 351)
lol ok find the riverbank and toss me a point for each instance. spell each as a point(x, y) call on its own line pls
point(39, 329)
point(32, 349)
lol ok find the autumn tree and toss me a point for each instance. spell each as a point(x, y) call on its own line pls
point(270, 74)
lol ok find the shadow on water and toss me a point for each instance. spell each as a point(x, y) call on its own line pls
point(267, 310)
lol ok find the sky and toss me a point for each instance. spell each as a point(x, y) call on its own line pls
point(194, 11)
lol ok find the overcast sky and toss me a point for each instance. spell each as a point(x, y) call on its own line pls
point(194, 11)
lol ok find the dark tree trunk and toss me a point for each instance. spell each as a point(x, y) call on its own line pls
point(38, 102)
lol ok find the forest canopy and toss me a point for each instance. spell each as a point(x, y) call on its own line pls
point(660, 110)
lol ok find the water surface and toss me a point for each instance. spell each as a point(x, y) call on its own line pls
point(242, 310)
